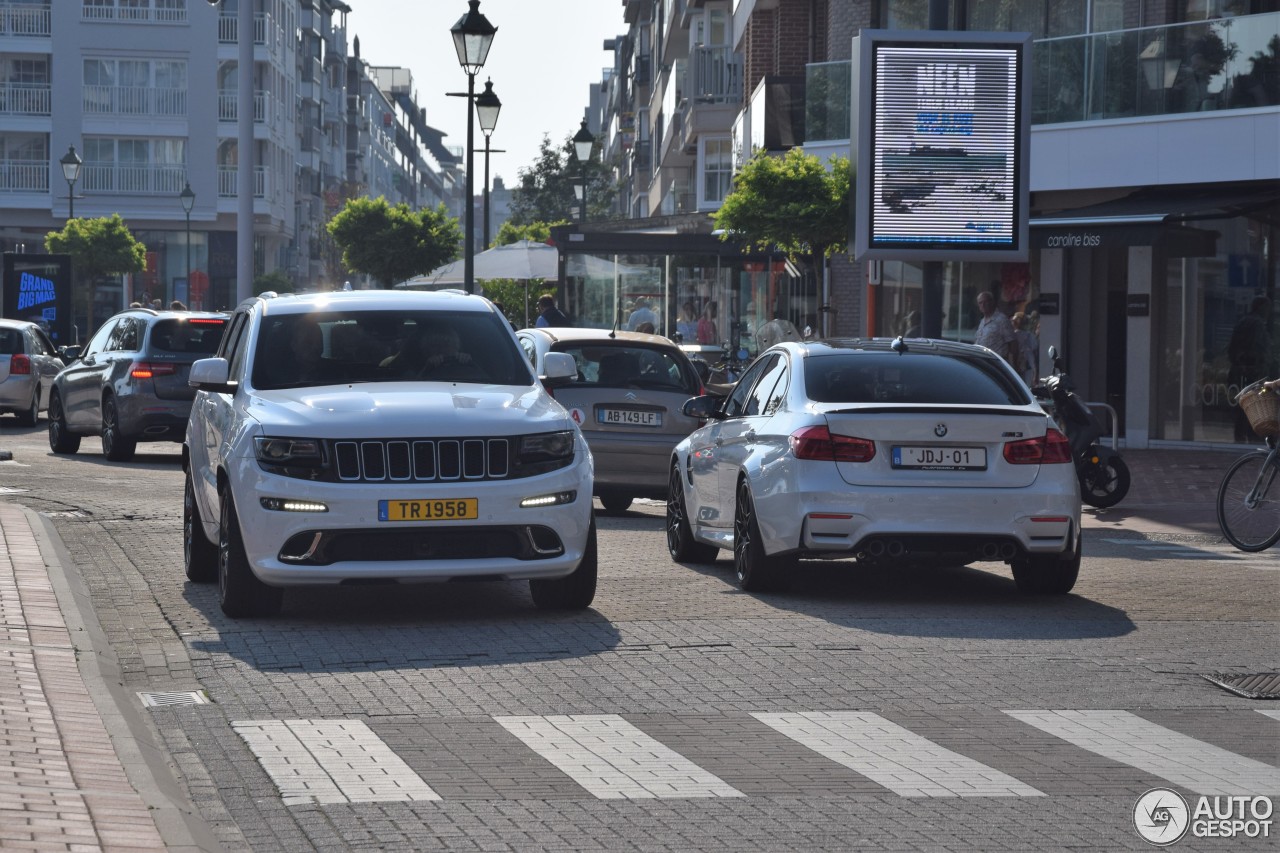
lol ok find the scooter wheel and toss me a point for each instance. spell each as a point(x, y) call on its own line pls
point(1103, 483)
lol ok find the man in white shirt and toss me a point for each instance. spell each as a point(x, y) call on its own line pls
point(642, 314)
point(995, 332)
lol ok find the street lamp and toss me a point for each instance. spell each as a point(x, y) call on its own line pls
point(188, 199)
point(583, 142)
point(487, 106)
point(472, 36)
point(71, 163)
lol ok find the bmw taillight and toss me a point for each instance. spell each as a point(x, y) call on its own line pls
point(151, 369)
point(1053, 448)
point(19, 365)
point(817, 442)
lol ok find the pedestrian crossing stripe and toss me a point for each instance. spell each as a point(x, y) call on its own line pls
point(614, 760)
point(894, 757)
point(609, 758)
point(1193, 764)
point(331, 761)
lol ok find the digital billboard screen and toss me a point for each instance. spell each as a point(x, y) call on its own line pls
point(941, 146)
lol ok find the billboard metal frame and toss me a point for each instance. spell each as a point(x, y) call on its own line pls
point(995, 227)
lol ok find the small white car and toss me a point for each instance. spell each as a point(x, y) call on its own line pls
point(904, 451)
point(382, 436)
point(28, 363)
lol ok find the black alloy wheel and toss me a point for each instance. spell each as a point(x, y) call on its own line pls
point(574, 591)
point(61, 439)
point(756, 570)
point(240, 593)
point(115, 447)
point(199, 555)
point(29, 416)
point(681, 545)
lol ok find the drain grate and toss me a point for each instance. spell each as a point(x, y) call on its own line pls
point(165, 700)
point(1263, 685)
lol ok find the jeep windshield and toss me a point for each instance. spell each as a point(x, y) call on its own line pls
point(338, 347)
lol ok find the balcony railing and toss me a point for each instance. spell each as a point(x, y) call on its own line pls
point(24, 176)
point(714, 75)
point(133, 100)
point(25, 19)
point(229, 28)
point(228, 181)
point(133, 179)
point(1206, 65)
point(25, 99)
point(1225, 64)
point(146, 11)
point(263, 106)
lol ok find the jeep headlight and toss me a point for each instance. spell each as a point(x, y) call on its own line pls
point(292, 457)
point(544, 451)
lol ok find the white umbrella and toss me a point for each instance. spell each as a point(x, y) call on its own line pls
point(523, 259)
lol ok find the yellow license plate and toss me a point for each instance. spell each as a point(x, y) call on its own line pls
point(444, 509)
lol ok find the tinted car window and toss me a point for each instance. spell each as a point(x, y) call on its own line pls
point(631, 366)
point(297, 350)
point(767, 394)
point(98, 343)
point(10, 341)
point(866, 377)
point(198, 336)
point(42, 344)
point(125, 337)
point(737, 403)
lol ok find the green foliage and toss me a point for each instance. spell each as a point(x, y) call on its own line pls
point(392, 244)
point(538, 232)
point(97, 247)
point(519, 299)
point(276, 280)
point(792, 203)
point(545, 193)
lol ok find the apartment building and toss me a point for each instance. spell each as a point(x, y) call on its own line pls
point(1155, 180)
point(146, 91)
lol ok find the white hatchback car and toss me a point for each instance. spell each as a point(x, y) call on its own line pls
point(374, 436)
point(903, 451)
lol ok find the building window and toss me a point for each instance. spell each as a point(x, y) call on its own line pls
point(135, 87)
point(134, 11)
point(134, 165)
point(717, 169)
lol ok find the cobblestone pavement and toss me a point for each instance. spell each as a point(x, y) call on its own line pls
point(868, 710)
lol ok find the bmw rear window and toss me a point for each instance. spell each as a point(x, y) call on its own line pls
point(636, 366)
point(916, 378)
point(198, 336)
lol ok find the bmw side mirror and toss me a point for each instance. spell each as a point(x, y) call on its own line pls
point(704, 408)
point(69, 354)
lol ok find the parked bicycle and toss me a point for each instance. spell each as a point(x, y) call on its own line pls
point(1249, 497)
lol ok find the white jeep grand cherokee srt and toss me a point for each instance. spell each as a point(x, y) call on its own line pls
point(381, 436)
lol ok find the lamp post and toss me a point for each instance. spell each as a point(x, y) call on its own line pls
point(71, 171)
point(488, 107)
point(188, 199)
point(583, 142)
point(472, 37)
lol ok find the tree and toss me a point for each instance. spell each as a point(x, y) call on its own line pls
point(277, 280)
point(792, 203)
point(546, 192)
point(97, 247)
point(393, 243)
point(518, 298)
point(537, 231)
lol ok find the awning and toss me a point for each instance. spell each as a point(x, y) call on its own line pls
point(1179, 219)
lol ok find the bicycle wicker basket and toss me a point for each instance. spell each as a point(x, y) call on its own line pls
point(1262, 407)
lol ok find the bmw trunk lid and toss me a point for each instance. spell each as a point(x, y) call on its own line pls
point(938, 447)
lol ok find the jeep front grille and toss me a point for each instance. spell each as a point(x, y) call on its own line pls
point(422, 461)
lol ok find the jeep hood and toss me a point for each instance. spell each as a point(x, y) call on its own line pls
point(407, 409)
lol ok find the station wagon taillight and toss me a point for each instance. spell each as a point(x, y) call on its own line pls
point(1053, 448)
point(817, 442)
point(151, 369)
point(19, 365)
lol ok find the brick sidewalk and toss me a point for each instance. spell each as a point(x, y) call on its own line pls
point(1172, 491)
point(62, 784)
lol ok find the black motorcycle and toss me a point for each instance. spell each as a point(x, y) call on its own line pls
point(1103, 475)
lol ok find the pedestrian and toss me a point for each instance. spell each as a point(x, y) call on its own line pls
point(687, 324)
point(1028, 348)
point(549, 314)
point(177, 305)
point(642, 314)
point(707, 331)
point(995, 331)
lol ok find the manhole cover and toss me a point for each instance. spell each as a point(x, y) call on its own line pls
point(164, 700)
point(1263, 685)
